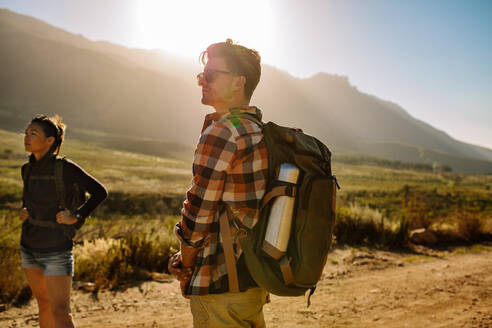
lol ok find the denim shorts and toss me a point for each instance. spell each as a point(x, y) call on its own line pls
point(53, 264)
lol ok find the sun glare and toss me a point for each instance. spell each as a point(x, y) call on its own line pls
point(187, 27)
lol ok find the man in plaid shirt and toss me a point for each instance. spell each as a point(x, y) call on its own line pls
point(229, 178)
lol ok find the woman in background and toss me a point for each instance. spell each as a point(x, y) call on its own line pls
point(54, 207)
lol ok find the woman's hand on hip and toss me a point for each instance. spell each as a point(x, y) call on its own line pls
point(23, 214)
point(65, 217)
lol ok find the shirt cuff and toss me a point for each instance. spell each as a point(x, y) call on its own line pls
point(178, 230)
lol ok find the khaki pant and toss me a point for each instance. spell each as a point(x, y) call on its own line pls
point(244, 309)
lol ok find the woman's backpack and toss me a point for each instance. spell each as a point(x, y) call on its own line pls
point(71, 199)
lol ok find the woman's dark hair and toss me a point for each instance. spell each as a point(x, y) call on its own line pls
point(240, 60)
point(52, 127)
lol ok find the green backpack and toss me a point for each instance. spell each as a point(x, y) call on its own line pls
point(300, 268)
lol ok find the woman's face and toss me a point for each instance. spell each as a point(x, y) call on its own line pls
point(36, 142)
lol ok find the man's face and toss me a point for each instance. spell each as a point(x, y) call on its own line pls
point(217, 86)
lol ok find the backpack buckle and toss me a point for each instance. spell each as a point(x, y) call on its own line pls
point(291, 190)
point(336, 181)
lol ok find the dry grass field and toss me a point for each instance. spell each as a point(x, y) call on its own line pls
point(374, 277)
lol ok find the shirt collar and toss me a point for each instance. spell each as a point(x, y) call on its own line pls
point(212, 117)
point(42, 160)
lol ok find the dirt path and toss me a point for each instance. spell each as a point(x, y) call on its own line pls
point(360, 288)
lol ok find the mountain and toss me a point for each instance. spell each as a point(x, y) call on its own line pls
point(152, 95)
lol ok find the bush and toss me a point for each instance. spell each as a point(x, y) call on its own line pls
point(112, 263)
point(13, 284)
point(141, 248)
point(469, 227)
point(362, 226)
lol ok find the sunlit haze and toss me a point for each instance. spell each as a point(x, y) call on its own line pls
point(433, 58)
point(188, 27)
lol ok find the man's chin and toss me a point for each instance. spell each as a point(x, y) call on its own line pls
point(205, 101)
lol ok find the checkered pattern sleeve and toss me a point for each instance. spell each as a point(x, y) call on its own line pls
point(230, 168)
point(212, 161)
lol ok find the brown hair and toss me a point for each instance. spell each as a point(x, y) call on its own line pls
point(240, 60)
point(52, 127)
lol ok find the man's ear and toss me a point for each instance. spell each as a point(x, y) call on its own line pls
point(240, 82)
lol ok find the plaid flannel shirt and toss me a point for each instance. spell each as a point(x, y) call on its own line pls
point(230, 168)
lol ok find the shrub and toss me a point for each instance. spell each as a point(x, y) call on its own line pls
point(13, 284)
point(469, 226)
point(112, 263)
point(363, 226)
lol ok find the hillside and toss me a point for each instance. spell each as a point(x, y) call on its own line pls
point(119, 171)
point(103, 87)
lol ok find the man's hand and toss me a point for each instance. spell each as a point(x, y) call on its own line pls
point(183, 285)
point(65, 217)
point(24, 214)
point(175, 266)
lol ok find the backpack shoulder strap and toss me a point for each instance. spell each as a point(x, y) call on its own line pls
point(225, 233)
point(60, 185)
point(26, 172)
point(252, 118)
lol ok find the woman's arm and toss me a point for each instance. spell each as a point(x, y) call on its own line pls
point(89, 184)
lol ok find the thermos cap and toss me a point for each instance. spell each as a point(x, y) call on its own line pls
point(288, 173)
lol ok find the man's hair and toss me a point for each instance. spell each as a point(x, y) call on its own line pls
point(240, 60)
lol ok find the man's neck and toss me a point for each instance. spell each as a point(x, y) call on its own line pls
point(233, 104)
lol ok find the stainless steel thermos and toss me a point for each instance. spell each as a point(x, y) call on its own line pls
point(280, 219)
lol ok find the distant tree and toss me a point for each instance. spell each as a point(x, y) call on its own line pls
point(7, 153)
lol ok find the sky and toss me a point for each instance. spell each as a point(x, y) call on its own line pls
point(432, 57)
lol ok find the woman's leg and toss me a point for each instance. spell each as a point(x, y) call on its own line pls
point(59, 297)
point(37, 282)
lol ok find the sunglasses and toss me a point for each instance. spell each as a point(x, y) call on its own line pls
point(209, 75)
